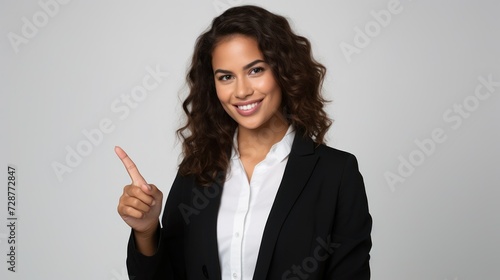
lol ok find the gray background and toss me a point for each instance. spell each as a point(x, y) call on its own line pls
point(441, 222)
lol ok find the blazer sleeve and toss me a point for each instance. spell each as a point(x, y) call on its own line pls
point(351, 232)
point(167, 263)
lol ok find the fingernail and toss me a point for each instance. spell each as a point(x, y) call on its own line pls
point(153, 203)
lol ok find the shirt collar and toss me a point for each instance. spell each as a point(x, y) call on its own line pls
point(278, 152)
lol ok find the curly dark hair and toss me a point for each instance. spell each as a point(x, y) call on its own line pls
point(207, 136)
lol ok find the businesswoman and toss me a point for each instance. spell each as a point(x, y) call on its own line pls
point(257, 195)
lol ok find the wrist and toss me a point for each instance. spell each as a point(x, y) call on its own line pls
point(149, 233)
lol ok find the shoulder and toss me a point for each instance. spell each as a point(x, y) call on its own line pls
point(326, 162)
point(333, 153)
point(331, 159)
point(305, 146)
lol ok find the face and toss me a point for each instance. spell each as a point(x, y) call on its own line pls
point(245, 84)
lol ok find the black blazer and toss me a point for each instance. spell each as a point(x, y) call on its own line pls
point(318, 228)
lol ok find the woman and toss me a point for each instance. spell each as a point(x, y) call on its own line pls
point(258, 195)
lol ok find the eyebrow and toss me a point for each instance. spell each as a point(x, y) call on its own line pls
point(246, 67)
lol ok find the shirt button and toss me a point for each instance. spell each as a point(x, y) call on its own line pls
point(235, 275)
point(237, 235)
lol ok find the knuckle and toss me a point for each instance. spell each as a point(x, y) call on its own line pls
point(135, 203)
point(123, 197)
point(133, 213)
point(119, 208)
point(128, 189)
point(138, 204)
point(136, 191)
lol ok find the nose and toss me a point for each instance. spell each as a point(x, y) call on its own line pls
point(243, 88)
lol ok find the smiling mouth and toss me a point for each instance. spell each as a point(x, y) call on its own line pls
point(248, 107)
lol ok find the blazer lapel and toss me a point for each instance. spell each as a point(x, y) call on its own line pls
point(300, 164)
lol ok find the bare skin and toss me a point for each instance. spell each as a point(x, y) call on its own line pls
point(243, 78)
point(140, 206)
point(254, 147)
point(248, 91)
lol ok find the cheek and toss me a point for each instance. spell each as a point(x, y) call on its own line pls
point(224, 96)
point(270, 88)
point(222, 93)
point(267, 85)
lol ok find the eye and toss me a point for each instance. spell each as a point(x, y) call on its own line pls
point(256, 70)
point(224, 77)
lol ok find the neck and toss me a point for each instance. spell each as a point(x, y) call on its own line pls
point(252, 142)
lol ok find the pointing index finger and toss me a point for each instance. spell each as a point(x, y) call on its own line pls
point(133, 172)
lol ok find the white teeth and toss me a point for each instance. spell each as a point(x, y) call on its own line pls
point(248, 106)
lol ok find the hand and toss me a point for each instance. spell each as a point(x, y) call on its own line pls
point(140, 204)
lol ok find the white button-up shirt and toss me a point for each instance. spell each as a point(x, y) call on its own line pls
point(245, 207)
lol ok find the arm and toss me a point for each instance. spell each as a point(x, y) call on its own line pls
point(166, 262)
point(352, 228)
point(140, 207)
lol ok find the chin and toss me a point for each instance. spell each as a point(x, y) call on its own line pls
point(252, 125)
point(248, 126)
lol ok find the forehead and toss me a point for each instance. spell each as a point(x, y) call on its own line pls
point(234, 51)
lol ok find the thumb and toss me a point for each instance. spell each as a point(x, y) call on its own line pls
point(152, 190)
point(148, 189)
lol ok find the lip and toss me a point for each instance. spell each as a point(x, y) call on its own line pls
point(251, 107)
